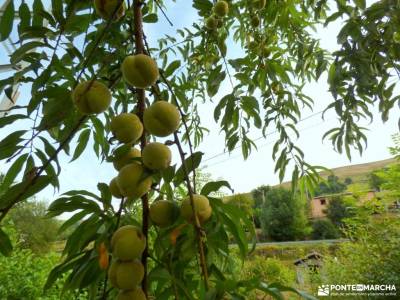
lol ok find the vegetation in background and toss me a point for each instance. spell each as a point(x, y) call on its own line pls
point(24, 274)
point(371, 257)
point(35, 230)
point(331, 186)
point(87, 63)
point(340, 208)
point(324, 229)
point(283, 215)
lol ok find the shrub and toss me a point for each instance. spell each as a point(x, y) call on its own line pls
point(269, 270)
point(371, 258)
point(283, 215)
point(23, 275)
point(340, 208)
point(324, 229)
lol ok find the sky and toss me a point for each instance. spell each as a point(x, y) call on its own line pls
point(243, 175)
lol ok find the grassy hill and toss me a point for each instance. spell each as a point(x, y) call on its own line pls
point(358, 173)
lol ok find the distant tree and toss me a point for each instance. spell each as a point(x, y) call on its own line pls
point(242, 200)
point(258, 195)
point(375, 181)
point(338, 209)
point(390, 181)
point(395, 149)
point(34, 230)
point(331, 186)
point(324, 229)
point(283, 215)
point(348, 181)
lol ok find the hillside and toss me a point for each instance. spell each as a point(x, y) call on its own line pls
point(357, 172)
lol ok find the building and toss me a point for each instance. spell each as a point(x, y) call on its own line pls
point(310, 263)
point(319, 204)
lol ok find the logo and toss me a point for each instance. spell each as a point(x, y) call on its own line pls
point(323, 290)
point(357, 290)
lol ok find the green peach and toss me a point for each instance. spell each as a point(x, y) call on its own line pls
point(114, 189)
point(136, 294)
point(128, 243)
point(91, 97)
point(129, 274)
point(140, 70)
point(211, 23)
point(201, 207)
point(255, 21)
point(156, 156)
point(163, 212)
point(161, 118)
point(126, 158)
point(126, 127)
point(112, 273)
point(132, 181)
point(221, 8)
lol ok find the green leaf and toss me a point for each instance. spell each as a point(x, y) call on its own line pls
point(191, 163)
point(57, 108)
point(57, 10)
point(33, 32)
point(10, 119)
point(64, 267)
point(203, 6)
point(38, 8)
point(9, 145)
point(172, 68)
point(150, 18)
point(237, 233)
point(25, 17)
point(77, 23)
point(73, 220)
point(6, 21)
point(23, 190)
point(214, 80)
point(82, 143)
point(70, 204)
point(84, 274)
point(21, 51)
point(5, 244)
point(281, 288)
point(360, 3)
point(214, 186)
point(82, 235)
point(168, 174)
point(106, 196)
point(13, 171)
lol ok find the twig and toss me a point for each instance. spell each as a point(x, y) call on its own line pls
point(34, 134)
point(226, 66)
point(184, 124)
point(23, 147)
point(180, 112)
point(97, 43)
point(199, 231)
point(163, 12)
point(13, 107)
point(139, 45)
point(17, 199)
point(175, 44)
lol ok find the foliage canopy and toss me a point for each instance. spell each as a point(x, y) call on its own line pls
point(69, 43)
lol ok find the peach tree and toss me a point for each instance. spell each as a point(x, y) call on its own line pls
point(96, 78)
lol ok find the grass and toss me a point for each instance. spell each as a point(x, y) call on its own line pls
point(358, 173)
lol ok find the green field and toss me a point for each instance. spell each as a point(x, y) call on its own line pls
point(358, 172)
